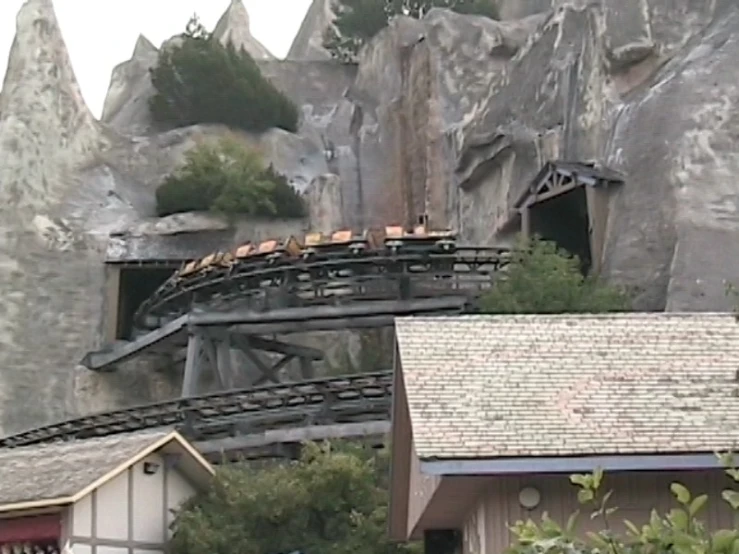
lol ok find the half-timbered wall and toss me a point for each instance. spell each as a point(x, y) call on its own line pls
point(130, 514)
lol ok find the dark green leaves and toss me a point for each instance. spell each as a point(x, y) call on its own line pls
point(542, 279)
point(198, 80)
point(228, 178)
point(330, 502)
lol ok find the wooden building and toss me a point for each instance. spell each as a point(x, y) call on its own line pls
point(493, 413)
point(112, 495)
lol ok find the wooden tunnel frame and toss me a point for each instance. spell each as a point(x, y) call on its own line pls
point(557, 178)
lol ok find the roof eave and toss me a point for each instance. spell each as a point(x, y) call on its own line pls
point(28, 505)
point(571, 464)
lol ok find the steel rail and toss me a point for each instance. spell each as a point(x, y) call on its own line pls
point(300, 278)
point(346, 399)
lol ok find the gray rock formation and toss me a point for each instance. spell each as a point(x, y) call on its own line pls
point(234, 27)
point(50, 258)
point(646, 96)
point(308, 43)
point(127, 102)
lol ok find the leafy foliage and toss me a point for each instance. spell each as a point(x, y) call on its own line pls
point(679, 532)
point(231, 179)
point(201, 81)
point(357, 21)
point(544, 279)
point(332, 501)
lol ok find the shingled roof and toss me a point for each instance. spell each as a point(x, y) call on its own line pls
point(60, 471)
point(540, 385)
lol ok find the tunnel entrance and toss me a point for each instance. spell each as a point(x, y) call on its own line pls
point(136, 284)
point(564, 220)
point(567, 203)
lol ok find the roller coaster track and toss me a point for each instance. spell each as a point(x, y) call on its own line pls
point(242, 420)
point(277, 288)
point(289, 274)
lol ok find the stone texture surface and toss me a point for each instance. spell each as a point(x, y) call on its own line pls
point(308, 43)
point(234, 27)
point(127, 102)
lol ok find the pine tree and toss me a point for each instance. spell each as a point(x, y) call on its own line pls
point(201, 81)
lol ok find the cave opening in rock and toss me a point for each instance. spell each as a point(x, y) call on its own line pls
point(136, 284)
point(564, 219)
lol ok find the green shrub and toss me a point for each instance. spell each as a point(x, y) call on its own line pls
point(231, 179)
point(544, 279)
point(202, 81)
point(680, 531)
point(357, 21)
point(331, 501)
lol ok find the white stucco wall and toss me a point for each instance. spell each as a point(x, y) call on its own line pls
point(131, 513)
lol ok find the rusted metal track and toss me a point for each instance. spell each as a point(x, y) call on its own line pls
point(218, 416)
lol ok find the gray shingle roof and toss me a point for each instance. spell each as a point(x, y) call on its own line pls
point(507, 386)
point(63, 469)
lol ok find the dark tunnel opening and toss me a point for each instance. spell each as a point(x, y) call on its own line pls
point(564, 220)
point(136, 285)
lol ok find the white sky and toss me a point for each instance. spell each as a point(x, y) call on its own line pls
point(101, 33)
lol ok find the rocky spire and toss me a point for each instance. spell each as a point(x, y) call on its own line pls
point(126, 107)
point(234, 26)
point(44, 121)
point(308, 43)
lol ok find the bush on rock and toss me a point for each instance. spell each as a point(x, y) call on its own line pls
point(231, 179)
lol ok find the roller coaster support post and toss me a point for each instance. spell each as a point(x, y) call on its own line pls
point(209, 348)
point(192, 363)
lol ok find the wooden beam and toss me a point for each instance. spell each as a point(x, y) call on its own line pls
point(388, 307)
point(223, 364)
point(297, 350)
point(192, 366)
point(271, 372)
point(118, 353)
point(294, 435)
point(554, 192)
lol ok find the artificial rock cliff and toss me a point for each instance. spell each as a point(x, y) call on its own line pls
point(452, 116)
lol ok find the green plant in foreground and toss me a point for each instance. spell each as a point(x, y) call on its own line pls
point(331, 501)
point(680, 531)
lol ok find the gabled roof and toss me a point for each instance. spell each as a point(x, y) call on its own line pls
point(62, 473)
point(483, 387)
point(591, 174)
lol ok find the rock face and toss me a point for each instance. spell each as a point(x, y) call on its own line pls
point(308, 43)
point(234, 27)
point(127, 102)
point(47, 249)
point(620, 84)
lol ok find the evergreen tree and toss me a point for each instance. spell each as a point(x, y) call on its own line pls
point(357, 21)
point(199, 80)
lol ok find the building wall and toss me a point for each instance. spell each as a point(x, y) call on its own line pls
point(635, 494)
point(130, 514)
